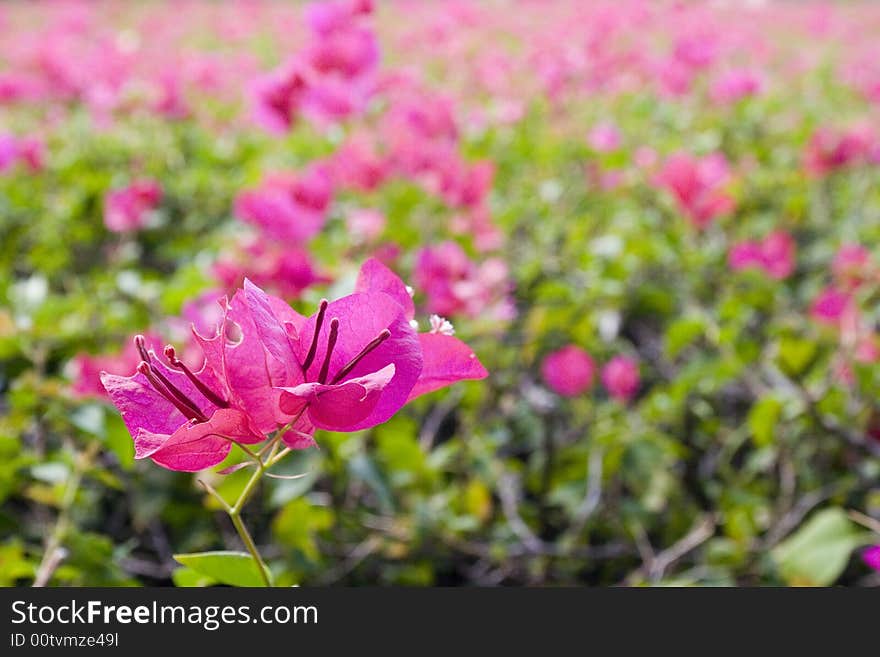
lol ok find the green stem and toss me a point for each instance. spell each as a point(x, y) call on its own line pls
point(272, 456)
point(251, 547)
point(52, 555)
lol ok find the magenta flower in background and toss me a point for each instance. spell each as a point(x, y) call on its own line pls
point(735, 85)
point(832, 306)
point(27, 151)
point(871, 557)
point(127, 209)
point(620, 376)
point(454, 285)
point(851, 265)
point(285, 270)
point(604, 137)
point(365, 224)
point(86, 368)
point(569, 371)
point(698, 185)
point(774, 255)
point(277, 97)
point(830, 150)
point(358, 165)
point(288, 207)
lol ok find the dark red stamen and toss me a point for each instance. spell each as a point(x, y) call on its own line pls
point(209, 394)
point(313, 349)
point(331, 344)
point(383, 335)
point(141, 345)
point(169, 392)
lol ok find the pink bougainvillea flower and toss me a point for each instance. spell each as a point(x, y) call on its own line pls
point(832, 306)
point(127, 209)
point(453, 284)
point(27, 151)
point(285, 270)
point(697, 184)
point(569, 371)
point(744, 255)
point(851, 265)
point(365, 225)
point(182, 420)
point(288, 207)
point(86, 368)
point(335, 15)
point(775, 255)
point(604, 137)
point(362, 359)
point(170, 100)
point(871, 557)
point(446, 359)
point(349, 366)
point(830, 150)
point(735, 85)
point(620, 376)
point(277, 97)
point(358, 165)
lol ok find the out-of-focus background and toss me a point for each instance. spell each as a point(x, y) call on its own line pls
point(656, 224)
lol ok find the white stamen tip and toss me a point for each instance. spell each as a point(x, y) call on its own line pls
point(441, 325)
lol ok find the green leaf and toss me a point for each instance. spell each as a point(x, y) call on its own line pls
point(187, 577)
point(232, 568)
point(763, 417)
point(795, 355)
point(683, 332)
point(817, 553)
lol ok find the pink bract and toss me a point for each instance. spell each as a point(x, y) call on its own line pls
point(569, 371)
point(620, 376)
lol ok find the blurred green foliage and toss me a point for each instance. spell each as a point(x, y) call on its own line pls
point(735, 464)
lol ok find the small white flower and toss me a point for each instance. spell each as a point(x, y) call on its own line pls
point(441, 325)
point(411, 292)
point(414, 323)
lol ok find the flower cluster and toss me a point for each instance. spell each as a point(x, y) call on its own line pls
point(351, 365)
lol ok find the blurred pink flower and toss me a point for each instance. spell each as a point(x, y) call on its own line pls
point(735, 85)
point(27, 151)
point(775, 255)
point(285, 270)
point(568, 371)
point(830, 150)
point(831, 306)
point(86, 368)
point(850, 266)
point(277, 97)
point(871, 557)
point(127, 209)
point(604, 137)
point(455, 285)
point(365, 225)
point(697, 184)
point(358, 165)
point(620, 376)
point(286, 206)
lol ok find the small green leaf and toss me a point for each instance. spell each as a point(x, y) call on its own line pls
point(682, 333)
point(763, 417)
point(187, 577)
point(817, 553)
point(232, 568)
point(795, 355)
